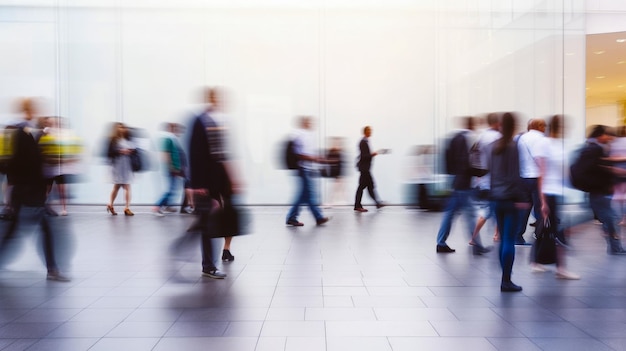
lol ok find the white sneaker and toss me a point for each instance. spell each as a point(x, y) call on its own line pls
point(567, 275)
point(158, 212)
point(538, 268)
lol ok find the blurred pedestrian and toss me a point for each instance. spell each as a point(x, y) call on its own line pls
point(364, 165)
point(119, 152)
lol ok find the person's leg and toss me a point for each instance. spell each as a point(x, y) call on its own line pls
point(602, 207)
point(62, 187)
point(294, 211)
point(127, 195)
point(116, 189)
point(507, 216)
point(359, 191)
point(446, 221)
point(310, 198)
point(371, 188)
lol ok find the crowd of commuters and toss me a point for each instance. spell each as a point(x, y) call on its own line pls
point(497, 174)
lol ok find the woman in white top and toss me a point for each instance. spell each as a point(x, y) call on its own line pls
point(551, 185)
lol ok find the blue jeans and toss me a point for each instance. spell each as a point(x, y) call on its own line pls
point(460, 200)
point(173, 183)
point(601, 206)
point(307, 194)
point(507, 217)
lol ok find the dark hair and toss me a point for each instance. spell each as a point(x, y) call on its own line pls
point(556, 125)
point(507, 128)
point(597, 131)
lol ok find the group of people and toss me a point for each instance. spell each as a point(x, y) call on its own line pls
point(507, 176)
point(307, 170)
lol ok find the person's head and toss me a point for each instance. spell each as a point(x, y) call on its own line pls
point(367, 131)
point(556, 126)
point(214, 97)
point(537, 124)
point(493, 120)
point(306, 122)
point(602, 134)
point(28, 108)
point(120, 131)
point(469, 123)
point(507, 128)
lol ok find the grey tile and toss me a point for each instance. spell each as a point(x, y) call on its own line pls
point(238, 329)
point(196, 329)
point(339, 314)
point(618, 344)
point(536, 329)
point(83, 330)
point(271, 343)
point(74, 344)
point(208, 343)
point(135, 344)
point(440, 343)
point(27, 330)
point(101, 315)
point(571, 344)
point(358, 343)
point(476, 329)
point(527, 315)
point(379, 328)
point(305, 343)
point(140, 329)
point(514, 344)
point(414, 314)
point(293, 328)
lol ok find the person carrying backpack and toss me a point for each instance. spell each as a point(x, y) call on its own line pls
point(458, 164)
point(591, 172)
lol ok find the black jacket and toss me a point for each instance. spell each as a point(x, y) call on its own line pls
point(460, 159)
point(365, 156)
point(25, 170)
point(597, 179)
point(205, 170)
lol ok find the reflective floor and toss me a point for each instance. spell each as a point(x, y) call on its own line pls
point(369, 281)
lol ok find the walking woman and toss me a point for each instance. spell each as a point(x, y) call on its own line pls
point(508, 195)
point(120, 150)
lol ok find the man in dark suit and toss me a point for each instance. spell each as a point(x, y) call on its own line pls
point(210, 176)
point(25, 174)
point(364, 165)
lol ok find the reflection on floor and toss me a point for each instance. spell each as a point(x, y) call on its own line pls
point(363, 281)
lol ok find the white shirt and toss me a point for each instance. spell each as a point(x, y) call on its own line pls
point(304, 144)
point(531, 146)
point(486, 138)
point(553, 179)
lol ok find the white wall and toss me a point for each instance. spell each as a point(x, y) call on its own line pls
point(404, 68)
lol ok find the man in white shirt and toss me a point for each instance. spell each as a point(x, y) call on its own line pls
point(304, 147)
point(532, 147)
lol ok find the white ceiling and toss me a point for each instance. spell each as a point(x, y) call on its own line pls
point(606, 68)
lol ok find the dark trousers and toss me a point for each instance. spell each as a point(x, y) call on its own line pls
point(31, 215)
point(532, 187)
point(365, 181)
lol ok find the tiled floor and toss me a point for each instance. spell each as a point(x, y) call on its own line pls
point(368, 281)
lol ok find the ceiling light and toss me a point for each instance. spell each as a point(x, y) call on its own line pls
point(621, 62)
point(569, 54)
point(620, 86)
point(599, 52)
point(601, 77)
point(621, 40)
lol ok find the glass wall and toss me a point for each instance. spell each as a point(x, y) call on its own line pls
point(407, 68)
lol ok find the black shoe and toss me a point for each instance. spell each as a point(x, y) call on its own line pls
point(533, 224)
point(510, 287)
point(227, 256)
point(479, 250)
point(322, 220)
point(617, 252)
point(380, 205)
point(444, 249)
point(295, 223)
point(360, 209)
point(214, 273)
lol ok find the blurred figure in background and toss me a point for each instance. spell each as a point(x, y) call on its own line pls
point(173, 160)
point(483, 184)
point(532, 147)
point(119, 153)
point(335, 171)
point(61, 150)
point(304, 149)
point(509, 196)
point(28, 198)
point(364, 165)
point(460, 200)
point(618, 150)
point(212, 178)
point(551, 186)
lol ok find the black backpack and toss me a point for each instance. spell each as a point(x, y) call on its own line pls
point(578, 172)
point(451, 165)
point(290, 157)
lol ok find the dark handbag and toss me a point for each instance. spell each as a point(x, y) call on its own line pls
point(135, 161)
point(544, 248)
point(230, 221)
